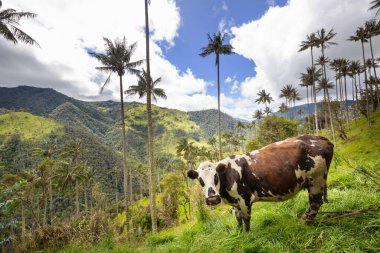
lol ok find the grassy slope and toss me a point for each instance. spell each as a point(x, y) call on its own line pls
point(276, 227)
point(29, 126)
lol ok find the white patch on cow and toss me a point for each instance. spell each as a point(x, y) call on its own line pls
point(313, 143)
point(317, 174)
point(297, 141)
point(280, 142)
point(207, 171)
point(255, 152)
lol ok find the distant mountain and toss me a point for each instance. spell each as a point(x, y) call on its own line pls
point(208, 121)
point(307, 110)
point(98, 117)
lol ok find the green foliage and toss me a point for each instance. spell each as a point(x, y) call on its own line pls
point(27, 126)
point(275, 128)
point(172, 195)
point(252, 144)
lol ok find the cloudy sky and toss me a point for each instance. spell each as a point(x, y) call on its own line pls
point(265, 34)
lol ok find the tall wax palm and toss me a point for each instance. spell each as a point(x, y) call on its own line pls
point(9, 22)
point(146, 87)
point(286, 93)
point(294, 96)
point(74, 151)
point(264, 97)
point(311, 75)
point(334, 65)
point(283, 108)
point(215, 45)
point(117, 59)
point(150, 126)
point(361, 35)
point(258, 115)
point(373, 81)
point(311, 42)
point(47, 151)
point(373, 29)
point(354, 71)
point(323, 40)
point(375, 4)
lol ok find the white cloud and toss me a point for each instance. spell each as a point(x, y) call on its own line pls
point(273, 40)
point(64, 29)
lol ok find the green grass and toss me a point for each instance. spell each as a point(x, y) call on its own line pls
point(277, 227)
point(28, 126)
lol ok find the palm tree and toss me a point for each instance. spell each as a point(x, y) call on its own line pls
point(74, 151)
point(294, 95)
point(323, 40)
point(264, 97)
point(258, 115)
point(47, 152)
point(117, 59)
point(147, 87)
point(286, 92)
point(375, 4)
point(150, 126)
point(334, 65)
point(373, 29)
point(311, 75)
point(9, 20)
point(216, 46)
point(361, 34)
point(311, 42)
point(283, 108)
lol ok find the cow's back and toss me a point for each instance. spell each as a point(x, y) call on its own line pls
point(278, 171)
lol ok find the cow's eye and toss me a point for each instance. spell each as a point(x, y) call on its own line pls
point(216, 179)
point(201, 182)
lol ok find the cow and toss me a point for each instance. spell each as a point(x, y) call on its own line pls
point(274, 173)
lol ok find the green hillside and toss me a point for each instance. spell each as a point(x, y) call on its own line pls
point(169, 127)
point(28, 126)
point(349, 222)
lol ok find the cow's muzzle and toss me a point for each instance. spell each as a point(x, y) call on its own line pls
point(213, 200)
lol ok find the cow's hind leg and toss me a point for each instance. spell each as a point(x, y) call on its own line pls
point(315, 202)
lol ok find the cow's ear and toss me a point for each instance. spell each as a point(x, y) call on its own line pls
point(221, 168)
point(192, 174)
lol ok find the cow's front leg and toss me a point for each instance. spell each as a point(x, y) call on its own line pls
point(246, 215)
point(236, 211)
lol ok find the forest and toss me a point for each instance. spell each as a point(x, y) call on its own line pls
point(111, 176)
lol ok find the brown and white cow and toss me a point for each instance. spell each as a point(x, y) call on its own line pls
point(276, 172)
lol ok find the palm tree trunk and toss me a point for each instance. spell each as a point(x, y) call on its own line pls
point(374, 70)
point(152, 181)
point(51, 201)
point(85, 201)
point(117, 199)
point(345, 103)
point(125, 170)
point(366, 86)
point(77, 198)
point(219, 127)
point(371, 88)
point(152, 177)
point(314, 94)
point(328, 103)
point(44, 215)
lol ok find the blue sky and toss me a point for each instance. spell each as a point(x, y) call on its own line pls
point(265, 34)
point(201, 17)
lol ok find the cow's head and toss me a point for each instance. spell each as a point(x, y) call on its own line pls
point(209, 180)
